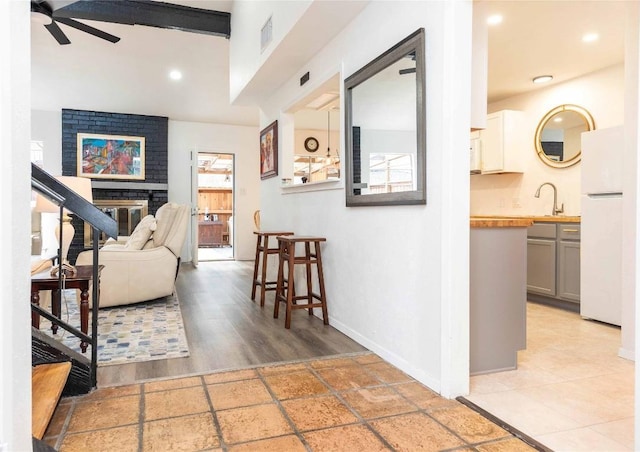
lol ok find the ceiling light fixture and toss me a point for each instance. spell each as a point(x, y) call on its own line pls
point(590, 37)
point(175, 75)
point(328, 159)
point(494, 19)
point(542, 79)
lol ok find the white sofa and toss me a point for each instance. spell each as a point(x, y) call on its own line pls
point(145, 267)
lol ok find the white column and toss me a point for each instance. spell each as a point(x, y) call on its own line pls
point(456, 104)
point(15, 331)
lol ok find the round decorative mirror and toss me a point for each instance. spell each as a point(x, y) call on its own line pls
point(558, 135)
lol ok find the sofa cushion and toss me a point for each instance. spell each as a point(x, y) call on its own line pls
point(141, 234)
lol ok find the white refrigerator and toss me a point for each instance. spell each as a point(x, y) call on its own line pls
point(601, 225)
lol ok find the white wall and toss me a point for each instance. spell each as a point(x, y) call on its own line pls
point(397, 277)
point(630, 189)
point(321, 136)
point(601, 93)
point(46, 126)
point(242, 141)
point(15, 341)
point(247, 20)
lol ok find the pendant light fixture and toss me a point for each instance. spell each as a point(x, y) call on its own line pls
point(328, 159)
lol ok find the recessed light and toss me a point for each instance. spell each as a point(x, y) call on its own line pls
point(175, 75)
point(542, 78)
point(557, 119)
point(590, 37)
point(494, 19)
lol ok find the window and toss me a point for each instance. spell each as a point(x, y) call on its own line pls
point(391, 173)
point(314, 169)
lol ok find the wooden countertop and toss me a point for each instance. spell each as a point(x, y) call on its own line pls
point(500, 222)
point(517, 222)
point(556, 219)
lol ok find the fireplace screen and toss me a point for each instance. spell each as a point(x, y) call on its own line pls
point(127, 214)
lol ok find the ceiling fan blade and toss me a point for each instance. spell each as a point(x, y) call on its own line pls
point(57, 33)
point(88, 29)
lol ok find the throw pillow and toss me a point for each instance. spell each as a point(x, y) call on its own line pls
point(141, 234)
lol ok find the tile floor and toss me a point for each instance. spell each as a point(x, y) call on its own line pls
point(571, 391)
point(349, 403)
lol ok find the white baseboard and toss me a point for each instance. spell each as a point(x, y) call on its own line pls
point(420, 375)
point(627, 354)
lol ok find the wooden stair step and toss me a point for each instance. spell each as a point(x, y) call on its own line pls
point(47, 383)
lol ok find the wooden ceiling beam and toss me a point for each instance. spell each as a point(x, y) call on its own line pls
point(151, 14)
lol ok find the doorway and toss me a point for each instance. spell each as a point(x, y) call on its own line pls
point(215, 206)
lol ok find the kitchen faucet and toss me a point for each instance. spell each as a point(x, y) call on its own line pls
point(554, 210)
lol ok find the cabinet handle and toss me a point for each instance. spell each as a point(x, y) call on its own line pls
point(569, 230)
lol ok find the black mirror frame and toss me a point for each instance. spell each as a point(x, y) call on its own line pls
point(413, 43)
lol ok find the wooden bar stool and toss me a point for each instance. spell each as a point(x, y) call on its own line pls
point(285, 291)
point(263, 250)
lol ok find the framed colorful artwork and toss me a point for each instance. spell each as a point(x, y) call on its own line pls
point(269, 151)
point(111, 156)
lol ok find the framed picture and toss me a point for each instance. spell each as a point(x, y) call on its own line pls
point(269, 151)
point(110, 156)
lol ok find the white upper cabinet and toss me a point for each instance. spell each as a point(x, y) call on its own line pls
point(475, 149)
point(502, 143)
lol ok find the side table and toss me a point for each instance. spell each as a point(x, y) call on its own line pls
point(81, 280)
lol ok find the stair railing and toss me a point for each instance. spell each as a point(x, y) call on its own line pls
point(65, 198)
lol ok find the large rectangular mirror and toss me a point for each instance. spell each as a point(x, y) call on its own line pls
point(385, 128)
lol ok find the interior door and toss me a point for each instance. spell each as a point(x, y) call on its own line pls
point(194, 208)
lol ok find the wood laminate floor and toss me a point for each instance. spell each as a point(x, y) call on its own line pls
point(227, 330)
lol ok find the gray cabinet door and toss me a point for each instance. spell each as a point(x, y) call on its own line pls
point(541, 267)
point(569, 270)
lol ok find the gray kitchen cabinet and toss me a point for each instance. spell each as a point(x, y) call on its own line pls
point(541, 259)
point(553, 262)
point(569, 262)
point(497, 297)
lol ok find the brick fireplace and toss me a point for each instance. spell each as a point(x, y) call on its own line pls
point(153, 189)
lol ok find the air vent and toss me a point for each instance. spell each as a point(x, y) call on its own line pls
point(266, 34)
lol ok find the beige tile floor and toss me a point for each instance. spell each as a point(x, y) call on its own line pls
point(348, 403)
point(571, 391)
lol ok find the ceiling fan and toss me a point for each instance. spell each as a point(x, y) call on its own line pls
point(42, 12)
point(150, 13)
point(410, 70)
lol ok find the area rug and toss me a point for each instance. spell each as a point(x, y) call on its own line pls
point(127, 334)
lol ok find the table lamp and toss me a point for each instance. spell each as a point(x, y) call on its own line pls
point(65, 230)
